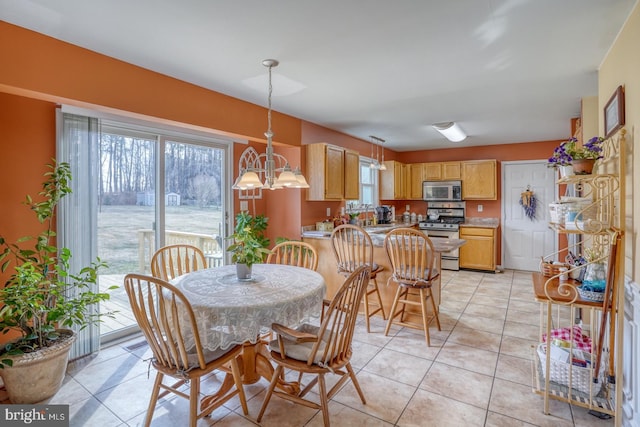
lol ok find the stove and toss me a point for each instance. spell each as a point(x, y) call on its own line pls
point(450, 216)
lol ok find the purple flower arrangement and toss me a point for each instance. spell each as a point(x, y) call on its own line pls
point(568, 151)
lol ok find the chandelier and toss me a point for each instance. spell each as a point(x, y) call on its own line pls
point(376, 163)
point(253, 169)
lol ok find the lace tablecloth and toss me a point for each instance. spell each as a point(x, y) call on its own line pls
point(229, 311)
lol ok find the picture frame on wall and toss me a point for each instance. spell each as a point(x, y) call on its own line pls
point(614, 113)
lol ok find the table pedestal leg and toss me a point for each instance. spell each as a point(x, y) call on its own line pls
point(254, 364)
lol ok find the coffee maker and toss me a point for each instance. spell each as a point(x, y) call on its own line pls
point(383, 214)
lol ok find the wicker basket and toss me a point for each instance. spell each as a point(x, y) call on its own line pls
point(581, 378)
point(549, 269)
point(590, 295)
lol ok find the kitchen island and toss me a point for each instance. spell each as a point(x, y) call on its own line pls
point(327, 263)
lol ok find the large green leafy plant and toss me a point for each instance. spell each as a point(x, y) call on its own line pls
point(249, 242)
point(36, 299)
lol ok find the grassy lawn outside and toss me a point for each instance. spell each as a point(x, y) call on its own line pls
point(118, 230)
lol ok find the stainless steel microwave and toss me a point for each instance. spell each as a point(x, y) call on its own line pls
point(442, 191)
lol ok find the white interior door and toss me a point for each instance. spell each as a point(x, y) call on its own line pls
point(524, 240)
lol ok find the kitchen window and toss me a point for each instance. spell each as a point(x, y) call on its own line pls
point(368, 183)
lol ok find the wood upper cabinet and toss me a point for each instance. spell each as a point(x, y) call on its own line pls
point(333, 172)
point(393, 181)
point(451, 170)
point(479, 253)
point(432, 172)
point(351, 175)
point(441, 171)
point(417, 174)
point(479, 180)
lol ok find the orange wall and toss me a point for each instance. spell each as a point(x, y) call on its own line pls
point(27, 141)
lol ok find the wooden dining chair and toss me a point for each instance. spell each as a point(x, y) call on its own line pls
point(319, 350)
point(352, 248)
point(295, 253)
point(155, 304)
point(412, 258)
point(172, 261)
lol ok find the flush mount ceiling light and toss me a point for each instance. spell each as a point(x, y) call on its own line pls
point(264, 165)
point(450, 130)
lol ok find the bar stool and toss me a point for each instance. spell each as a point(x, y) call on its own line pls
point(352, 248)
point(412, 257)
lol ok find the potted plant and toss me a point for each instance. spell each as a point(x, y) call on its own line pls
point(37, 301)
point(580, 157)
point(249, 243)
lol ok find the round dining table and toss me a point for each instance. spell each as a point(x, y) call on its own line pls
point(230, 311)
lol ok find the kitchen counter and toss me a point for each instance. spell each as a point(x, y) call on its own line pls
point(481, 222)
point(378, 232)
point(327, 264)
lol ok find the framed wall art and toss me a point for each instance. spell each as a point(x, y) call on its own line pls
point(614, 113)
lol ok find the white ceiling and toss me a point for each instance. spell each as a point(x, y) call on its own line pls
point(505, 70)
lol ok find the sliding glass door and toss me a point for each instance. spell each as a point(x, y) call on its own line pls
point(154, 190)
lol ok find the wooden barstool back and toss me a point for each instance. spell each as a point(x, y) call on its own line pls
point(412, 259)
point(352, 247)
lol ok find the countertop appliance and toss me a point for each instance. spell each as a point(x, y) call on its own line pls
point(442, 191)
point(443, 220)
point(383, 214)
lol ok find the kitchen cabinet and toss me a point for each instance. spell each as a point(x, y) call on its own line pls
point(598, 228)
point(479, 253)
point(417, 174)
point(442, 171)
point(479, 180)
point(351, 175)
point(333, 172)
point(393, 181)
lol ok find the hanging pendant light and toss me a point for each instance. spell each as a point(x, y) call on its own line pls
point(383, 167)
point(269, 163)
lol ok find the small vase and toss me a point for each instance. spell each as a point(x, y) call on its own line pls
point(583, 166)
point(243, 271)
point(565, 171)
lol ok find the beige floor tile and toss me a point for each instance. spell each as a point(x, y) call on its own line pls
point(490, 301)
point(91, 412)
point(415, 345)
point(107, 374)
point(453, 305)
point(473, 359)
point(426, 408)
point(517, 347)
point(401, 367)
point(583, 418)
point(528, 305)
point(363, 353)
point(474, 338)
point(499, 420)
point(459, 384)
point(279, 412)
point(341, 415)
point(514, 369)
point(481, 323)
point(486, 311)
point(387, 405)
point(522, 330)
point(526, 317)
point(517, 401)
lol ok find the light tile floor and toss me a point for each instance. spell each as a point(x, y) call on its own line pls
point(476, 373)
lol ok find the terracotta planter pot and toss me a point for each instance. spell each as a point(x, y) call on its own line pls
point(35, 377)
point(583, 166)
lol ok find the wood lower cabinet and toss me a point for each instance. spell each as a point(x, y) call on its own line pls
point(479, 180)
point(333, 173)
point(479, 253)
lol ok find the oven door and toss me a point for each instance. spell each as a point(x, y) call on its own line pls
point(450, 260)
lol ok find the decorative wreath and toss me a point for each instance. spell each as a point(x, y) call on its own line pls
point(528, 203)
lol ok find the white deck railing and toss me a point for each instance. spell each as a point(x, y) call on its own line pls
point(211, 245)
